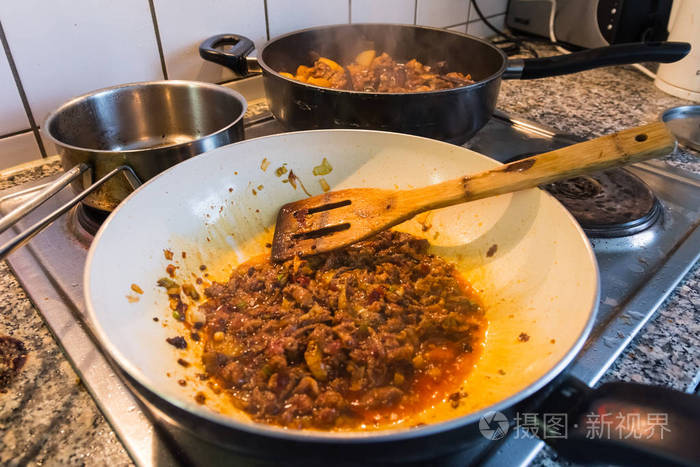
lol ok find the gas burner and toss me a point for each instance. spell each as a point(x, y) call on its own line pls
point(614, 203)
point(90, 218)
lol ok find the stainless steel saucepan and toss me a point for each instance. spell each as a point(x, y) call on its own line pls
point(138, 129)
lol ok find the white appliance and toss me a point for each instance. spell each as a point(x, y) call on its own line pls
point(591, 23)
point(682, 79)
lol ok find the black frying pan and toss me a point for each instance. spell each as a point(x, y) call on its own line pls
point(452, 115)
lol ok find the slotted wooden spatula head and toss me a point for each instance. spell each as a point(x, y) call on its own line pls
point(339, 218)
point(333, 220)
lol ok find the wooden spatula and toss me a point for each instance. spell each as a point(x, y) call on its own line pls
point(338, 218)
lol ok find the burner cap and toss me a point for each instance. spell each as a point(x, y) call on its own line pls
point(90, 218)
point(613, 203)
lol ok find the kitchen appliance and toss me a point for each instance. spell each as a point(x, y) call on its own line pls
point(637, 272)
point(138, 130)
point(682, 79)
point(591, 23)
point(452, 115)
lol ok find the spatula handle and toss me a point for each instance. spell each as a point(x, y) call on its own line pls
point(625, 147)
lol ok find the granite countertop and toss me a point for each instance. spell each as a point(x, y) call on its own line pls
point(48, 417)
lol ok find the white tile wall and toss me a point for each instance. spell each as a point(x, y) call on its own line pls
point(442, 13)
point(63, 48)
point(488, 8)
point(12, 115)
point(18, 149)
point(479, 29)
point(184, 24)
point(288, 15)
point(385, 11)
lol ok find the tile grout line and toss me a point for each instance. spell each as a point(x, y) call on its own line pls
point(20, 89)
point(267, 21)
point(415, 12)
point(469, 12)
point(349, 11)
point(15, 133)
point(471, 22)
point(159, 43)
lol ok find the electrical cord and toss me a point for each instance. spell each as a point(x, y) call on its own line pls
point(552, 36)
point(553, 40)
point(508, 37)
point(513, 43)
point(644, 70)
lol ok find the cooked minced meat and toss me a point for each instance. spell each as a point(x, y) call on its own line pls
point(341, 339)
point(370, 72)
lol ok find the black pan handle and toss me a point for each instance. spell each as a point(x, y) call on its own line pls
point(620, 54)
point(229, 50)
point(623, 423)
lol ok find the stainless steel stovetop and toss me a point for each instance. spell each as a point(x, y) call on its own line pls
point(637, 274)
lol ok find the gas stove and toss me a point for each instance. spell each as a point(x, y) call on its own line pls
point(642, 221)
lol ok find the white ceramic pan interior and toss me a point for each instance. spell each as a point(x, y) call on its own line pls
point(529, 260)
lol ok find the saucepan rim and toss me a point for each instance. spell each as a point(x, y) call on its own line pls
point(168, 83)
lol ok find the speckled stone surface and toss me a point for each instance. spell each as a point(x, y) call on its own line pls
point(47, 417)
point(29, 172)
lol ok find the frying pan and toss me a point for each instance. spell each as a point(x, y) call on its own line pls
point(452, 115)
point(220, 209)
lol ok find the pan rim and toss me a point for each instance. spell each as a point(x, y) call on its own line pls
point(312, 436)
point(171, 83)
point(478, 84)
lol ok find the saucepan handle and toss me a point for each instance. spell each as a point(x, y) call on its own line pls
point(624, 423)
point(46, 193)
point(231, 51)
point(619, 54)
point(28, 234)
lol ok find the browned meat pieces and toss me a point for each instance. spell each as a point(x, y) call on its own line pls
point(384, 74)
point(380, 73)
point(178, 342)
point(301, 295)
point(382, 397)
point(340, 339)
